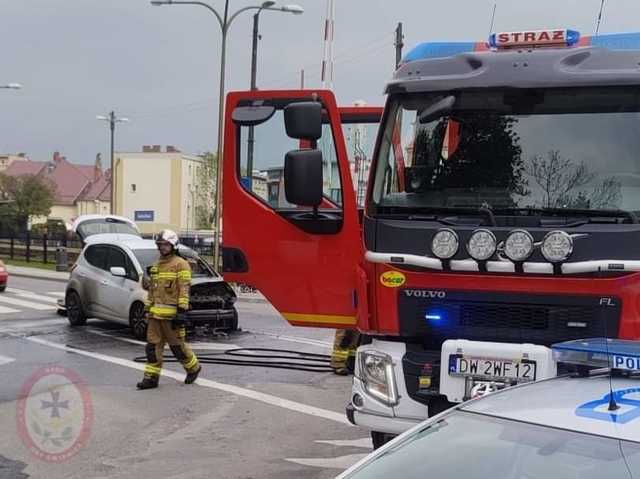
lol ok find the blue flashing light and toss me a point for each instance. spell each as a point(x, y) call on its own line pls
point(429, 50)
point(617, 41)
point(434, 315)
point(600, 352)
point(573, 37)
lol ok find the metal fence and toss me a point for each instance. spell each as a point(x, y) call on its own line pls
point(39, 248)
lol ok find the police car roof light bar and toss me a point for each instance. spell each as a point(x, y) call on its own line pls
point(599, 352)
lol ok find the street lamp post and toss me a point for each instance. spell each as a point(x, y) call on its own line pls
point(112, 119)
point(225, 22)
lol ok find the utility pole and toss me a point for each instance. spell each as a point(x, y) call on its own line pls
point(399, 44)
point(112, 119)
point(302, 79)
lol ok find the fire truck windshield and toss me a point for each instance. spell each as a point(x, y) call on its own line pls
point(574, 148)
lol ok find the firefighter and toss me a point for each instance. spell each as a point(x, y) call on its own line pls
point(345, 345)
point(167, 305)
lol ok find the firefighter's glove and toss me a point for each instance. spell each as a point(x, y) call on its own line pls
point(180, 319)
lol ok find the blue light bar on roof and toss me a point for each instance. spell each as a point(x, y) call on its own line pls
point(430, 50)
point(615, 41)
point(599, 352)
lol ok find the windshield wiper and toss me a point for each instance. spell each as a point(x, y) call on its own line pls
point(630, 215)
point(432, 213)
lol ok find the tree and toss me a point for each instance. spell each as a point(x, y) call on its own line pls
point(563, 183)
point(205, 192)
point(25, 196)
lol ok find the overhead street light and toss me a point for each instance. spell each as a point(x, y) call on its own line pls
point(225, 20)
point(112, 119)
point(12, 86)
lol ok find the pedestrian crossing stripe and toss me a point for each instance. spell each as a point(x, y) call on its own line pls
point(31, 295)
point(4, 310)
point(13, 301)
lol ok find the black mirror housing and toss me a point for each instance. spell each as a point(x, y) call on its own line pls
point(303, 177)
point(252, 115)
point(303, 120)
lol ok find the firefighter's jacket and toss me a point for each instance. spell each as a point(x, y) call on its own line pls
point(169, 289)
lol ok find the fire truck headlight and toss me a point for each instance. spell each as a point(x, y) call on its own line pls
point(444, 244)
point(557, 246)
point(481, 245)
point(378, 377)
point(518, 246)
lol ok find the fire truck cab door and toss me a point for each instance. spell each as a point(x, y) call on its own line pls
point(303, 263)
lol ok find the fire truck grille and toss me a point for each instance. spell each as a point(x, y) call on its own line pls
point(539, 319)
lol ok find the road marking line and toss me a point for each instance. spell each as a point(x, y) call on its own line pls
point(16, 325)
point(237, 390)
point(364, 443)
point(293, 339)
point(30, 294)
point(25, 304)
point(197, 346)
point(341, 462)
point(56, 293)
point(6, 360)
point(4, 310)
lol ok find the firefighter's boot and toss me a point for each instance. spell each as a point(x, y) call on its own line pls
point(147, 383)
point(191, 377)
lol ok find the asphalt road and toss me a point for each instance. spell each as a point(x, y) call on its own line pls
point(69, 407)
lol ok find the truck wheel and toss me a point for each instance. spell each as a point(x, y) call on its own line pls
point(138, 321)
point(379, 439)
point(75, 311)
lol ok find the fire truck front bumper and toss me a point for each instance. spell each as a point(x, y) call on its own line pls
point(379, 398)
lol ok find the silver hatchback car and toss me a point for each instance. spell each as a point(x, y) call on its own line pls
point(106, 282)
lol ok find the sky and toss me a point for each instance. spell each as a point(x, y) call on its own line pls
point(159, 66)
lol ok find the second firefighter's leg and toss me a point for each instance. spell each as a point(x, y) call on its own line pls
point(153, 350)
point(183, 353)
point(340, 354)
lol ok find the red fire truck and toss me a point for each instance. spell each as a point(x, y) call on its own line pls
point(501, 216)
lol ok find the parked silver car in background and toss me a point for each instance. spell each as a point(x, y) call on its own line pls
point(106, 282)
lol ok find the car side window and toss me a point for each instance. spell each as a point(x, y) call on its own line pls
point(118, 259)
point(96, 256)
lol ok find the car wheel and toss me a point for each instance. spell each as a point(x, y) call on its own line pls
point(138, 321)
point(75, 311)
point(379, 439)
point(234, 321)
point(3, 288)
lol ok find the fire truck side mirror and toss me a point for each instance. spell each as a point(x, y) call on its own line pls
point(303, 177)
point(303, 120)
point(252, 115)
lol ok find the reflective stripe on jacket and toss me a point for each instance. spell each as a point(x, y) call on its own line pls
point(169, 288)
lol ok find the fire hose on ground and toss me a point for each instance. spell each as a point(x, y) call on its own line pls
point(276, 358)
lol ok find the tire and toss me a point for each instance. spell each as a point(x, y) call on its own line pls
point(3, 288)
point(138, 321)
point(379, 439)
point(234, 322)
point(75, 311)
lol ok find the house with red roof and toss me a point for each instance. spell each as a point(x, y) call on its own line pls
point(80, 189)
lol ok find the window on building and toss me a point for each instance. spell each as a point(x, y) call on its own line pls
point(133, 187)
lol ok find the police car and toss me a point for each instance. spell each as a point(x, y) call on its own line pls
point(584, 424)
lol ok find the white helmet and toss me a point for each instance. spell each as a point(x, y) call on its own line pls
point(168, 236)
